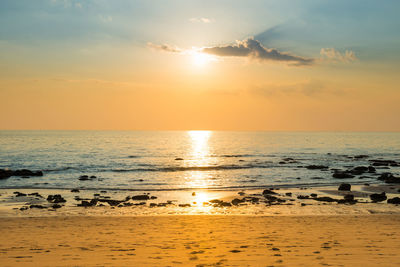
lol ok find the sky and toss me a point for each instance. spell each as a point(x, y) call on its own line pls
point(311, 65)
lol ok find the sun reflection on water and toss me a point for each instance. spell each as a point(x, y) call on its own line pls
point(199, 155)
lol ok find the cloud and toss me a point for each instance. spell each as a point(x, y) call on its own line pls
point(201, 20)
point(332, 55)
point(164, 47)
point(253, 49)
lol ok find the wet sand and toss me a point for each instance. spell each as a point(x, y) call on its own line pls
point(203, 240)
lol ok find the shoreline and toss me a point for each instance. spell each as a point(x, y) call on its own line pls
point(272, 201)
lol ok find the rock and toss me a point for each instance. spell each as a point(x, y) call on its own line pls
point(93, 177)
point(342, 175)
point(19, 194)
point(269, 192)
point(271, 198)
point(83, 178)
point(74, 190)
point(380, 162)
point(237, 201)
point(371, 169)
point(316, 167)
point(25, 172)
point(395, 200)
point(4, 173)
point(349, 197)
point(344, 187)
point(55, 199)
point(325, 199)
point(313, 195)
point(378, 197)
point(141, 197)
point(37, 207)
point(178, 158)
point(303, 197)
point(361, 156)
point(358, 170)
point(153, 205)
point(185, 205)
point(56, 206)
point(153, 197)
point(194, 194)
point(289, 194)
point(387, 177)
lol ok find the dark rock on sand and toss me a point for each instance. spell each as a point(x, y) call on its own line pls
point(361, 156)
point(395, 200)
point(37, 207)
point(55, 199)
point(313, 195)
point(19, 194)
point(325, 199)
point(141, 197)
point(74, 190)
point(303, 197)
point(289, 194)
point(269, 192)
point(237, 201)
point(378, 197)
point(344, 187)
point(316, 167)
point(56, 206)
point(185, 205)
point(178, 158)
point(358, 170)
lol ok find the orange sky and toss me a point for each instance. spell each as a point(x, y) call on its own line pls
point(157, 81)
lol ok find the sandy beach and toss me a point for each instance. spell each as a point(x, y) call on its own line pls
point(204, 240)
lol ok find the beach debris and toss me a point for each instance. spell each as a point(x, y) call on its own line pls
point(395, 200)
point(344, 187)
point(378, 197)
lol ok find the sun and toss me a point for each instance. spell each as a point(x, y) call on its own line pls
point(201, 59)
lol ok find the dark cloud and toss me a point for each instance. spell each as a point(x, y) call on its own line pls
point(254, 49)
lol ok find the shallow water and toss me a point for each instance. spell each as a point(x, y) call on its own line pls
point(195, 159)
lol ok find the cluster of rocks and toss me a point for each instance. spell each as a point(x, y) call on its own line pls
point(24, 173)
point(389, 178)
point(99, 201)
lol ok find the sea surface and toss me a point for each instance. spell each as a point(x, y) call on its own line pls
point(173, 160)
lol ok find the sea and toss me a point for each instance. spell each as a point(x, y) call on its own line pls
point(183, 160)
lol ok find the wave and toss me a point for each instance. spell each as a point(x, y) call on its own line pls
point(194, 168)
